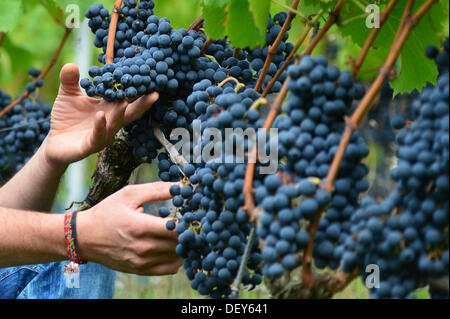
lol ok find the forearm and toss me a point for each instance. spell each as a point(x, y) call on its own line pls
point(30, 237)
point(34, 186)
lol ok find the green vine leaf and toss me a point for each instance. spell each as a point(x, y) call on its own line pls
point(17, 54)
point(243, 21)
point(53, 10)
point(10, 13)
point(214, 14)
point(260, 10)
point(415, 69)
point(241, 28)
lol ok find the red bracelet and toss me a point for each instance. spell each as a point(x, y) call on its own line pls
point(70, 234)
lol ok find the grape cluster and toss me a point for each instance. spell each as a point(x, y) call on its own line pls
point(309, 134)
point(406, 235)
point(213, 230)
point(133, 18)
point(22, 130)
point(150, 56)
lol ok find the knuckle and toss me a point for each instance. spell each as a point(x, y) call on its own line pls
point(141, 249)
point(138, 265)
point(127, 191)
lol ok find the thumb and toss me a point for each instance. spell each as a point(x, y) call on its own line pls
point(69, 77)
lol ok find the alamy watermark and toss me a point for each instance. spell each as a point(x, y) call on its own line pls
point(73, 20)
point(373, 277)
point(71, 272)
point(230, 147)
point(373, 16)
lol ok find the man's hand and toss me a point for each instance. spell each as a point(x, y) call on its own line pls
point(81, 125)
point(118, 235)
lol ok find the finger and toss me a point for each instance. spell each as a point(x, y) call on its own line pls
point(154, 227)
point(149, 192)
point(159, 247)
point(115, 120)
point(135, 110)
point(97, 140)
point(167, 268)
point(70, 77)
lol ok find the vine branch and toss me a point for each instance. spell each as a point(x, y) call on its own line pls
point(112, 31)
point(248, 247)
point(176, 157)
point(275, 108)
point(334, 17)
point(2, 36)
point(372, 36)
point(292, 54)
point(274, 47)
point(196, 24)
point(42, 75)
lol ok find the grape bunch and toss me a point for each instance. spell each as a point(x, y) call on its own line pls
point(22, 130)
point(309, 134)
point(133, 18)
point(149, 55)
point(213, 230)
point(406, 235)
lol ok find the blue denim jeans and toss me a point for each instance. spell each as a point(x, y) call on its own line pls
point(47, 281)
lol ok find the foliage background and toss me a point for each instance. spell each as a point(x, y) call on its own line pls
point(34, 33)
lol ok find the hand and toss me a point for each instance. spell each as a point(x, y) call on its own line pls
point(81, 125)
point(117, 234)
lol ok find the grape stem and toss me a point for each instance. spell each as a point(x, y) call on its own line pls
point(333, 18)
point(236, 53)
point(42, 75)
point(371, 38)
point(2, 36)
point(238, 280)
point(205, 46)
point(290, 9)
point(176, 157)
point(291, 55)
point(274, 47)
point(239, 85)
point(196, 24)
point(354, 122)
point(112, 31)
point(249, 205)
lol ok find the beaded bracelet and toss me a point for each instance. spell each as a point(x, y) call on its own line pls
point(70, 234)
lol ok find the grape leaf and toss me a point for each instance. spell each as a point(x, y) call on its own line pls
point(18, 54)
point(54, 10)
point(260, 10)
point(415, 69)
point(214, 14)
point(314, 5)
point(241, 29)
point(10, 13)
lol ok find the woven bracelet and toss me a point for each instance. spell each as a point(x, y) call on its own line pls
point(70, 234)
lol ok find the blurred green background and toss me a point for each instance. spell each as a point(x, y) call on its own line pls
point(32, 42)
